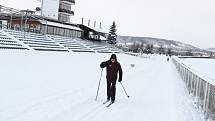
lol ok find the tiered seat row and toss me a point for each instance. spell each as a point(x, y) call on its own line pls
point(80, 45)
point(36, 41)
point(71, 44)
point(8, 43)
point(100, 47)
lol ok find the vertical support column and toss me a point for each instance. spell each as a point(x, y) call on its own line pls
point(207, 101)
point(199, 93)
point(205, 98)
point(42, 8)
point(94, 24)
point(21, 23)
point(26, 18)
point(88, 22)
point(82, 21)
point(11, 18)
point(196, 90)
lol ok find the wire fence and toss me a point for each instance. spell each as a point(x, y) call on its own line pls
point(201, 89)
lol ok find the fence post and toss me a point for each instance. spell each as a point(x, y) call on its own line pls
point(205, 97)
point(207, 101)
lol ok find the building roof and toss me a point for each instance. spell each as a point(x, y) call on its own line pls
point(98, 30)
point(59, 25)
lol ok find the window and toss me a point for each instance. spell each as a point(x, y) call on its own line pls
point(16, 26)
point(55, 30)
point(37, 28)
point(27, 27)
point(0, 24)
point(58, 31)
point(63, 17)
point(43, 29)
point(71, 33)
point(61, 31)
point(79, 34)
point(76, 33)
point(67, 32)
point(50, 30)
point(65, 6)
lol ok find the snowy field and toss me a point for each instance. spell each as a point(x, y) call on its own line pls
point(205, 67)
point(58, 86)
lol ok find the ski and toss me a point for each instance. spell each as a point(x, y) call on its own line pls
point(106, 101)
point(109, 104)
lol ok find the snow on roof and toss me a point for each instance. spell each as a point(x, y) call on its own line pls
point(98, 29)
point(60, 25)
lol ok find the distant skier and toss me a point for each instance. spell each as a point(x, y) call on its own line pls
point(113, 67)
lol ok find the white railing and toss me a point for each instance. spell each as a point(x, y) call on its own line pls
point(200, 87)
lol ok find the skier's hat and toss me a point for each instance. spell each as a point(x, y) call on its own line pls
point(113, 56)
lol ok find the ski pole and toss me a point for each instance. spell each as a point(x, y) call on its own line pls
point(124, 90)
point(99, 84)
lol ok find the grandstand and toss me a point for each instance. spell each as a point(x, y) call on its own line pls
point(23, 29)
point(12, 39)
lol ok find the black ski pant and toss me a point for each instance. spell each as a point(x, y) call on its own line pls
point(111, 90)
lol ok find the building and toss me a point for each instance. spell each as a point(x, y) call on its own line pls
point(26, 20)
point(57, 9)
point(65, 10)
point(54, 20)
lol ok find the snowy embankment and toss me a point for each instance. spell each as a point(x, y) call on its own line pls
point(55, 86)
point(205, 67)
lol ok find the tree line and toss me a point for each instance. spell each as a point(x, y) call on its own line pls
point(140, 47)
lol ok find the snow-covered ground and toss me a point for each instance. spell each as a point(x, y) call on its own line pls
point(205, 67)
point(57, 86)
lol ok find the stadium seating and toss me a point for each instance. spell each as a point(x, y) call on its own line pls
point(9, 43)
point(40, 42)
point(36, 41)
point(70, 43)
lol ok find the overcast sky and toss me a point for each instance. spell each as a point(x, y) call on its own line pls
point(189, 21)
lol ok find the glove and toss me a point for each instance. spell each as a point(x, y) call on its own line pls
point(119, 80)
point(103, 64)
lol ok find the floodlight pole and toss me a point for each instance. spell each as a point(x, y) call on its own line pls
point(11, 17)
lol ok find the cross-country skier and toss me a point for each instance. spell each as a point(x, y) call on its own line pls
point(113, 67)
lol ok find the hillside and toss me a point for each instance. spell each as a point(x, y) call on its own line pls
point(211, 49)
point(175, 45)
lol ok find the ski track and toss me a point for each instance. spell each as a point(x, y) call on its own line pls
point(151, 85)
point(36, 106)
point(71, 109)
point(87, 107)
